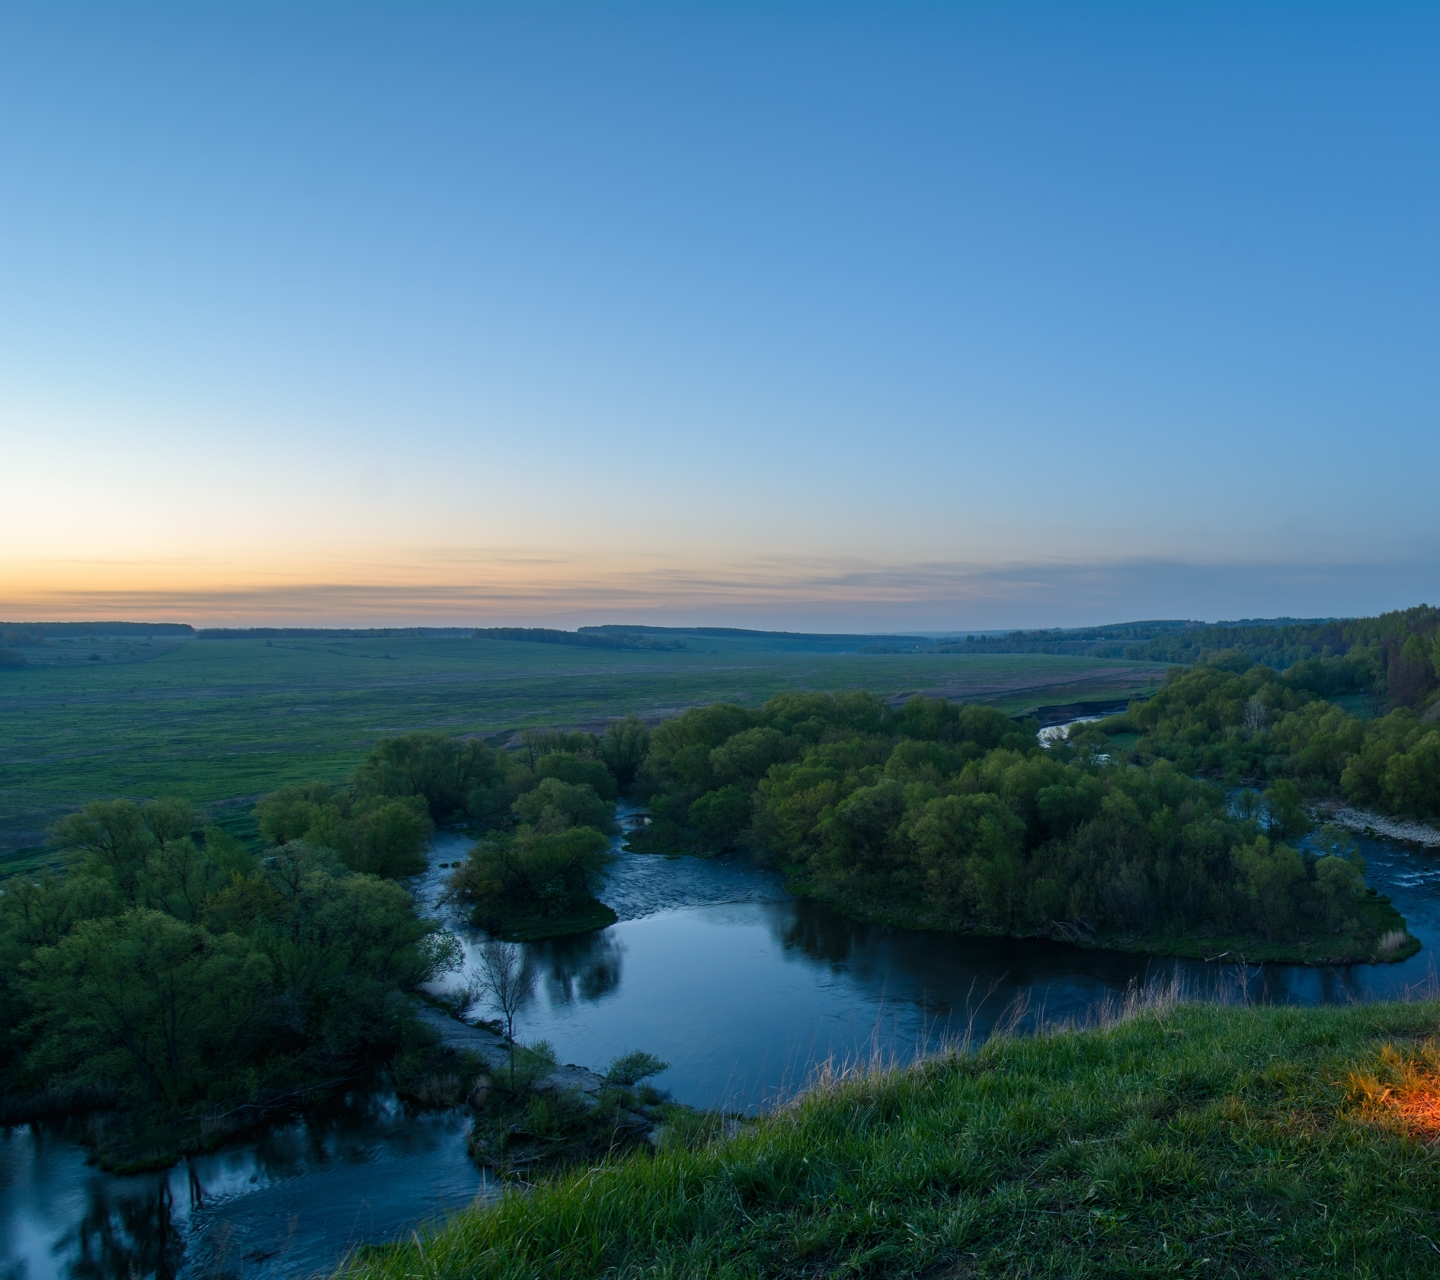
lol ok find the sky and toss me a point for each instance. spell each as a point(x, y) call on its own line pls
point(815, 316)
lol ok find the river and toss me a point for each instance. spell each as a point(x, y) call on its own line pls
point(712, 966)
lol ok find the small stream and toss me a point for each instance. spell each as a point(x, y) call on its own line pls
point(712, 966)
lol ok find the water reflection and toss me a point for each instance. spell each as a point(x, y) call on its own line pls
point(288, 1204)
point(127, 1235)
point(744, 988)
point(581, 967)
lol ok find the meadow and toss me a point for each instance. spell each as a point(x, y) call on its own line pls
point(219, 722)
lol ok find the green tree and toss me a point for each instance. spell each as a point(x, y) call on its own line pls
point(1286, 818)
point(554, 805)
point(145, 1004)
point(578, 771)
point(531, 873)
point(968, 852)
point(441, 769)
point(624, 747)
point(1269, 875)
point(113, 837)
point(720, 816)
point(1410, 675)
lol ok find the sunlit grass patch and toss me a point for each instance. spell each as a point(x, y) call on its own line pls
point(1401, 1088)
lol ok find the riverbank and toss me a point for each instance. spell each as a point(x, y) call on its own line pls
point(1385, 938)
point(1377, 824)
point(1182, 1139)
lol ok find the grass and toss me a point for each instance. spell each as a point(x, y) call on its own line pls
point(219, 722)
point(1179, 1140)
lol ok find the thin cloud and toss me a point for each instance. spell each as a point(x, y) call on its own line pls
point(932, 595)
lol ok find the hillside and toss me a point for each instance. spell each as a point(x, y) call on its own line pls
point(1181, 1140)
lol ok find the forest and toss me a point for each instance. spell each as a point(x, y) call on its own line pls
point(933, 815)
point(1235, 722)
point(178, 985)
point(1364, 654)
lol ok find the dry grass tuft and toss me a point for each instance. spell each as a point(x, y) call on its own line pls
point(1391, 942)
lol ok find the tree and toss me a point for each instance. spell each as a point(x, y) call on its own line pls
point(382, 835)
point(114, 838)
point(1285, 816)
point(504, 979)
point(1410, 676)
point(145, 1003)
point(578, 771)
point(1270, 872)
point(531, 873)
point(554, 805)
point(169, 819)
point(392, 840)
point(1257, 715)
point(624, 748)
point(441, 769)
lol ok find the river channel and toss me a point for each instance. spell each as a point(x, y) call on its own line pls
point(711, 966)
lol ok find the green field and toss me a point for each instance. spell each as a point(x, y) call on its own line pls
point(221, 721)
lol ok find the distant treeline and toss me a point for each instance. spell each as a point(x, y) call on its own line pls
point(13, 634)
point(1387, 655)
point(327, 633)
point(585, 638)
point(742, 633)
point(531, 635)
point(18, 636)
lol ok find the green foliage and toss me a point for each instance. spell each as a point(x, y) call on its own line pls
point(708, 766)
point(1253, 725)
point(528, 1122)
point(513, 879)
point(941, 816)
point(145, 1005)
point(554, 805)
point(631, 1068)
point(372, 833)
point(442, 770)
point(172, 970)
point(576, 770)
point(624, 748)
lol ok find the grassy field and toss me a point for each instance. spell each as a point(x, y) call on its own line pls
point(1184, 1141)
point(220, 721)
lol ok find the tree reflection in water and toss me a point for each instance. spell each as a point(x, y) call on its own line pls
point(127, 1235)
point(583, 966)
point(820, 933)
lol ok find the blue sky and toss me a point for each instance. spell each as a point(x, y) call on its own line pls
point(854, 316)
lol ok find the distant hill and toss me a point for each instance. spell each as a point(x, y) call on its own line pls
point(326, 633)
point(742, 638)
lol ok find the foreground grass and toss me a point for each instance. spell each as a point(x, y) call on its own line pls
point(1190, 1140)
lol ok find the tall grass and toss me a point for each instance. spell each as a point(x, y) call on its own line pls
point(1165, 1137)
